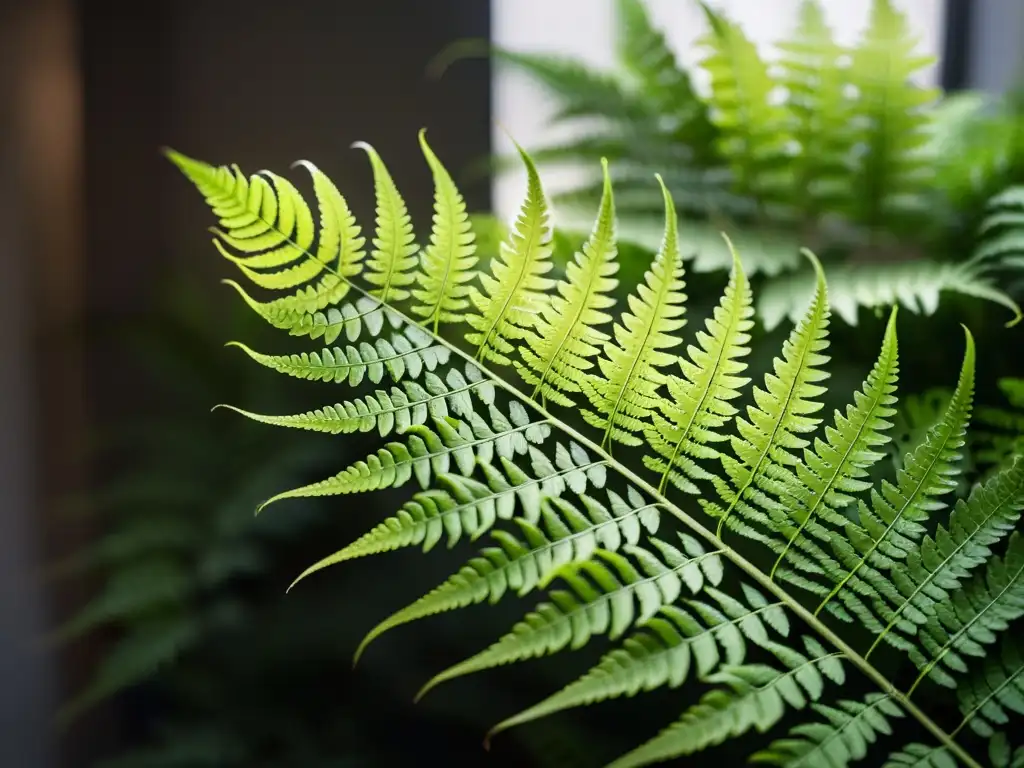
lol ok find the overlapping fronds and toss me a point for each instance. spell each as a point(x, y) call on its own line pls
point(831, 550)
point(830, 145)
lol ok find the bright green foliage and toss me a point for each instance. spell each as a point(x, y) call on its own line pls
point(700, 636)
point(566, 335)
point(623, 396)
point(568, 518)
point(817, 143)
point(515, 291)
point(917, 285)
point(446, 264)
point(783, 411)
point(699, 401)
point(742, 106)
point(890, 125)
point(818, 114)
point(393, 258)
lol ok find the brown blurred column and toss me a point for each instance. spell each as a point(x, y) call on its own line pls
point(42, 406)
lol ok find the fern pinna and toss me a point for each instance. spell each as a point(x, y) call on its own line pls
point(834, 571)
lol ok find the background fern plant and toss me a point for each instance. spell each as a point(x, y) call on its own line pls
point(817, 144)
point(740, 554)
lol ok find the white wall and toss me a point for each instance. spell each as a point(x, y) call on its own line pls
point(584, 29)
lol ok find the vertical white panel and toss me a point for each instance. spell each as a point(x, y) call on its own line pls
point(584, 29)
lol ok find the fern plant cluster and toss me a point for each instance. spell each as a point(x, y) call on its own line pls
point(822, 144)
point(726, 538)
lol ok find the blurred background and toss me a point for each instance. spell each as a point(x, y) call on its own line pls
point(143, 620)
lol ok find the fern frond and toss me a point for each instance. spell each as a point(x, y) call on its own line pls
point(749, 696)
point(702, 634)
point(973, 618)
point(624, 394)
point(1002, 436)
point(995, 690)
point(817, 112)
point(514, 293)
point(887, 531)
point(566, 336)
point(563, 534)
point(432, 450)
point(468, 507)
point(271, 225)
point(742, 107)
point(408, 354)
point(486, 462)
point(647, 57)
point(782, 412)
point(892, 171)
point(606, 594)
point(921, 756)
point(851, 728)
point(838, 464)
point(447, 263)
point(1002, 230)
point(409, 405)
point(916, 285)
point(937, 566)
point(699, 401)
point(393, 259)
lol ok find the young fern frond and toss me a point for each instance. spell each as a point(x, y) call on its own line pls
point(515, 292)
point(698, 403)
point(818, 113)
point(488, 458)
point(393, 259)
point(565, 338)
point(624, 395)
point(447, 263)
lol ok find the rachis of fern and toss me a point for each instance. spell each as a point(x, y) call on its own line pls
point(738, 550)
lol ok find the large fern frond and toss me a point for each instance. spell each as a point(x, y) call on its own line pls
point(488, 458)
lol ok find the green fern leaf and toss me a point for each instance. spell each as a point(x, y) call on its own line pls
point(973, 618)
point(565, 534)
point(663, 652)
point(447, 263)
point(699, 404)
point(514, 292)
point(888, 530)
point(818, 113)
point(391, 264)
point(469, 507)
point(742, 107)
point(937, 566)
point(822, 483)
point(920, 756)
point(851, 728)
point(397, 358)
point(750, 696)
point(566, 335)
point(995, 691)
point(892, 172)
point(398, 410)
point(432, 451)
point(607, 595)
point(625, 394)
point(782, 412)
point(646, 55)
point(916, 285)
